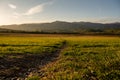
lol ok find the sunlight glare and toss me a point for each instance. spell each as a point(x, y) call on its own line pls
point(4, 19)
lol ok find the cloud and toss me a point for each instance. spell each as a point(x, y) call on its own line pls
point(37, 9)
point(12, 6)
point(34, 10)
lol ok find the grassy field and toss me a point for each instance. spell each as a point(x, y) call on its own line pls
point(31, 45)
point(80, 57)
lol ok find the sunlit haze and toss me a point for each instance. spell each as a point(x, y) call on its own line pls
point(38, 11)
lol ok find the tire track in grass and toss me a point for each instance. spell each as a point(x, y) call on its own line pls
point(51, 61)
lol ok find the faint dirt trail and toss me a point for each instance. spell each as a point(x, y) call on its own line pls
point(23, 66)
point(52, 60)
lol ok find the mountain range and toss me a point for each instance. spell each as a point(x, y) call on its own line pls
point(65, 27)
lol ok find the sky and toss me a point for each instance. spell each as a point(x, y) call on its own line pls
point(41, 11)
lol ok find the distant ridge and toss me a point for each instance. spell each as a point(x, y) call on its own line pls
point(4, 30)
point(66, 27)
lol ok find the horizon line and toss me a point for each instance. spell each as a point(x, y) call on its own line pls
point(58, 21)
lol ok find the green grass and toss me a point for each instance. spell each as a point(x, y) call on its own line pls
point(84, 58)
point(33, 78)
point(28, 45)
point(87, 59)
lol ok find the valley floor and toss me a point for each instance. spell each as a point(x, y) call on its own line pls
point(57, 57)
